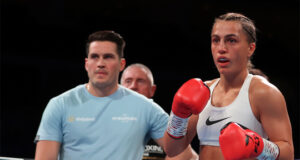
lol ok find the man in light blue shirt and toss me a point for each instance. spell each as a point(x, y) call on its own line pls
point(100, 119)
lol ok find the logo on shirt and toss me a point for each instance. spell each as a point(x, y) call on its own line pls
point(71, 119)
point(124, 118)
point(81, 119)
point(209, 122)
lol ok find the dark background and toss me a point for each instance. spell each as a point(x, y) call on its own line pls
point(43, 51)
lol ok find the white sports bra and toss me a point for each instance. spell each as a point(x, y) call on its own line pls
point(212, 118)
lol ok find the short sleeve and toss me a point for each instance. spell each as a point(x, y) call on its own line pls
point(159, 121)
point(51, 124)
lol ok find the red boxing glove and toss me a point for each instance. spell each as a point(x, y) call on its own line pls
point(238, 142)
point(190, 99)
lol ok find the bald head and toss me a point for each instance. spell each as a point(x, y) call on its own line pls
point(139, 78)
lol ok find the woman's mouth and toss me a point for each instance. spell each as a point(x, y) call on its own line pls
point(223, 62)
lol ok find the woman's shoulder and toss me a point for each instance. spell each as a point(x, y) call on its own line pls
point(261, 88)
point(210, 82)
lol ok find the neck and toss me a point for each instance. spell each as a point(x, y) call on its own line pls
point(233, 80)
point(101, 91)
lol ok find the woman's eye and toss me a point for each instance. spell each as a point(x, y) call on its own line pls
point(232, 40)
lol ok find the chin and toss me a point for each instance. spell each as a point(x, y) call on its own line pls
point(221, 70)
point(224, 71)
point(100, 83)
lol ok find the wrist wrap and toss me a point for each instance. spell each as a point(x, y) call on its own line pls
point(177, 127)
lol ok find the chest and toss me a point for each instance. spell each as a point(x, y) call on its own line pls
point(93, 123)
point(221, 98)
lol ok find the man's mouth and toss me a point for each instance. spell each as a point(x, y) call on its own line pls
point(101, 73)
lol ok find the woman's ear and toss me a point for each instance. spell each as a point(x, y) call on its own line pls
point(252, 47)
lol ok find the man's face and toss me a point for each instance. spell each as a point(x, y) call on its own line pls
point(137, 79)
point(103, 64)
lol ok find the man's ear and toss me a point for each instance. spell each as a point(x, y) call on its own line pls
point(153, 89)
point(123, 64)
point(85, 64)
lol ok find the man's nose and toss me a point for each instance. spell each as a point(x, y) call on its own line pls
point(101, 62)
point(133, 86)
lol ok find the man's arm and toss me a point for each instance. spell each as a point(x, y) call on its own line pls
point(274, 117)
point(47, 150)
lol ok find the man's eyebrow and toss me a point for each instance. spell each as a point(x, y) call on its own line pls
point(93, 54)
point(108, 54)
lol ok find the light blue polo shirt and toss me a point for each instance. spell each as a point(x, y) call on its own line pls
point(114, 127)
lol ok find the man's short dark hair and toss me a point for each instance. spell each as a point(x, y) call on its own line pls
point(107, 35)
